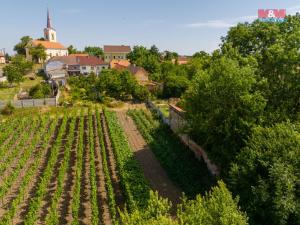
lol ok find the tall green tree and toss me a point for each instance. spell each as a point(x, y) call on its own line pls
point(222, 107)
point(266, 175)
point(22, 64)
point(20, 48)
point(38, 53)
point(276, 48)
point(13, 74)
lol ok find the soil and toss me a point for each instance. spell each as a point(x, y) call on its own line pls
point(154, 173)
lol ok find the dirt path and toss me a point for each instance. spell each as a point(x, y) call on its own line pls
point(153, 171)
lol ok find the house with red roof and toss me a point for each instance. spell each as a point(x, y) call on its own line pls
point(91, 64)
point(118, 52)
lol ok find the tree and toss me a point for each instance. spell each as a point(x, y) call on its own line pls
point(42, 90)
point(266, 175)
point(22, 64)
point(222, 107)
point(276, 48)
point(94, 51)
point(13, 74)
point(216, 207)
point(20, 48)
point(72, 50)
point(38, 53)
point(148, 59)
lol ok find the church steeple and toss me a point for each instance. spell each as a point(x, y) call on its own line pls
point(49, 31)
point(48, 19)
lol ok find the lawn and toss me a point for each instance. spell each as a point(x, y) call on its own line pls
point(9, 93)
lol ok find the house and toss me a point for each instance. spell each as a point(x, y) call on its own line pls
point(91, 64)
point(79, 54)
point(76, 65)
point(2, 58)
point(115, 52)
point(52, 47)
point(140, 74)
point(181, 60)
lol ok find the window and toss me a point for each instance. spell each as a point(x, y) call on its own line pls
point(103, 67)
point(114, 57)
point(84, 67)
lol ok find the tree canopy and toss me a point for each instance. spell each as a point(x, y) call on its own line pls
point(94, 51)
point(20, 48)
point(216, 207)
point(266, 175)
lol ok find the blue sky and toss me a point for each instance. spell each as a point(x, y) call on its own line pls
point(184, 26)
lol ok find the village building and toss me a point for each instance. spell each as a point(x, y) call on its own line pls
point(91, 64)
point(181, 60)
point(2, 58)
point(52, 47)
point(115, 52)
point(74, 65)
point(140, 74)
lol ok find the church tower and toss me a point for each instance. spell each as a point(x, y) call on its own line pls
point(49, 32)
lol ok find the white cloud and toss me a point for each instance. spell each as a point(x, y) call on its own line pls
point(210, 24)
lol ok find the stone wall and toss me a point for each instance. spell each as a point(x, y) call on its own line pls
point(177, 124)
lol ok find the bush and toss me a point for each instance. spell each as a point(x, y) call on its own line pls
point(42, 90)
point(8, 109)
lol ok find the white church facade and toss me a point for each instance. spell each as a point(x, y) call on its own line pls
point(52, 47)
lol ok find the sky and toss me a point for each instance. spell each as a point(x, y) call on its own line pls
point(183, 26)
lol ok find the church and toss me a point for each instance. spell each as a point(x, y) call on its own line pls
point(52, 47)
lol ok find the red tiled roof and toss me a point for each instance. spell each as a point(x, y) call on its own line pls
point(122, 62)
point(49, 44)
point(69, 60)
point(116, 49)
point(135, 69)
point(79, 54)
point(89, 60)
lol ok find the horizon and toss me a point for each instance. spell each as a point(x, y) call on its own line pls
point(185, 28)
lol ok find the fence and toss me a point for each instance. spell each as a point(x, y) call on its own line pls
point(157, 110)
point(32, 102)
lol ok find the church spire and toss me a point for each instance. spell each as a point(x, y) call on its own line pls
point(48, 19)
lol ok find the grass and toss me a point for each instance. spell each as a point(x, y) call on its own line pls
point(10, 92)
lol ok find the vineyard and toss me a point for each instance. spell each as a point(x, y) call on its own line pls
point(74, 167)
